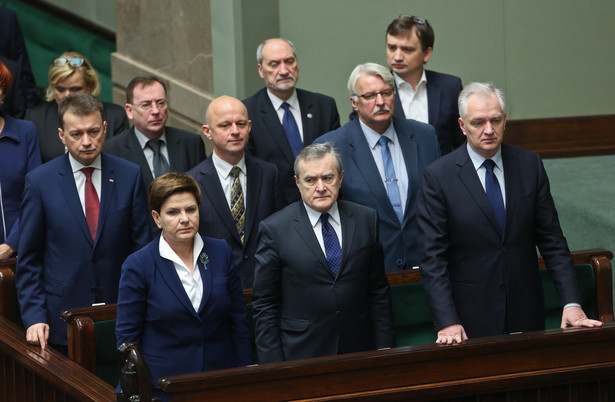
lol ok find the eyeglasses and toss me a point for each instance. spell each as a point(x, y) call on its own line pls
point(147, 106)
point(73, 61)
point(370, 96)
point(416, 20)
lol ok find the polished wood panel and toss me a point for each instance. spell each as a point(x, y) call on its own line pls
point(553, 365)
point(563, 137)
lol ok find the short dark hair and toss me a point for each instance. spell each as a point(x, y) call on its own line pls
point(171, 183)
point(80, 104)
point(6, 78)
point(403, 25)
point(145, 81)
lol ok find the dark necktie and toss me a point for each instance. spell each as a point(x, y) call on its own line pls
point(161, 166)
point(494, 193)
point(390, 179)
point(237, 209)
point(291, 129)
point(92, 203)
point(332, 244)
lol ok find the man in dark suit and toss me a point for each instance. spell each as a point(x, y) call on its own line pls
point(285, 119)
point(82, 214)
point(422, 95)
point(152, 145)
point(482, 211)
point(259, 190)
point(409, 145)
point(312, 298)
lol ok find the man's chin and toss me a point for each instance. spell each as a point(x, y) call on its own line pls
point(288, 88)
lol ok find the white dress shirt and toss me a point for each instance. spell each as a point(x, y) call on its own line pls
point(334, 220)
point(223, 169)
point(80, 177)
point(413, 102)
point(293, 102)
point(399, 164)
point(191, 281)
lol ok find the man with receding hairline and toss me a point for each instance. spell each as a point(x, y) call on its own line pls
point(235, 215)
point(285, 118)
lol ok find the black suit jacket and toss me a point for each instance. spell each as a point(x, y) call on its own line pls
point(45, 118)
point(301, 309)
point(264, 197)
point(473, 275)
point(268, 140)
point(185, 150)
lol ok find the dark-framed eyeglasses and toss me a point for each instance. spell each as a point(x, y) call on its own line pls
point(146, 106)
point(72, 61)
point(415, 19)
point(370, 96)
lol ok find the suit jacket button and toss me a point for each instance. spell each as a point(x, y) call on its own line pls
point(399, 262)
point(245, 257)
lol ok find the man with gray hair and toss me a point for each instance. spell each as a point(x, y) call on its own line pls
point(482, 211)
point(384, 157)
point(284, 118)
point(319, 285)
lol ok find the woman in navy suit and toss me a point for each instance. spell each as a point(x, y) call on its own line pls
point(180, 297)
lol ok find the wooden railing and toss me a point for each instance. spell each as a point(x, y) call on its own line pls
point(554, 365)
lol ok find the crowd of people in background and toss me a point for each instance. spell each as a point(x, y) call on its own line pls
point(308, 214)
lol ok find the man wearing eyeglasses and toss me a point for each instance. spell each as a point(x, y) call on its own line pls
point(152, 145)
point(422, 95)
point(384, 157)
point(284, 118)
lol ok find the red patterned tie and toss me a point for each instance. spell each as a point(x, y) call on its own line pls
point(92, 204)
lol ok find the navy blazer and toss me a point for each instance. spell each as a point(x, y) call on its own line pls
point(474, 275)
point(185, 150)
point(264, 197)
point(154, 310)
point(45, 118)
point(59, 267)
point(301, 310)
point(267, 137)
point(442, 93)
point(362, 182)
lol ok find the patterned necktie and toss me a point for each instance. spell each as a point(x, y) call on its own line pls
point(390, 178)
point(292, 131)
point(494, 193)
point(237, 209)
point(92, 203)
point(332, 244)
point(161, 166)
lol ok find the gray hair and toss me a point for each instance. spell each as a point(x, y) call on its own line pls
point(370, 69)
point(478, 88)
point(259, 49)
point(318, 151)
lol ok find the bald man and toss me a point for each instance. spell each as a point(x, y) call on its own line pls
point(239, 190)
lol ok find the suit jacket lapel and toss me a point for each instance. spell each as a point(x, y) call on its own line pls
point(170, 277)
point(134, 150)
point(364, 161)
point(211, 182)
point(470, 179)
point(433, 102)
point(410, 153)
point(253, 189)
point(69, 189)
point(512, 180)
point(304, 228)
point(348, 225)
point(207, 279)
point(177, 160)
point(307, 118)
point(271, 120)
point(107, 188)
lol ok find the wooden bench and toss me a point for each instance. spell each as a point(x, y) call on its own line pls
point(413, 320)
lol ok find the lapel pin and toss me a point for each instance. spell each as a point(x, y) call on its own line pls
point(111, 181)
point(309, 115)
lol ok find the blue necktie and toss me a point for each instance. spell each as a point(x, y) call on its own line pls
point(332, 244)
point(390, 178)
point(494, 193)
point(291, 129)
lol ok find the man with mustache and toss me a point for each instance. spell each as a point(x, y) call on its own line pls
point(285, 119)
point(384, 157)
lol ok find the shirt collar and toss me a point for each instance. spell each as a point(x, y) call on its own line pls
point(401, 83)
point(373, 137)
point(314, 216)
point(167, 252)
point(75, 165)
point(477, 159)
point(224, 168)
point(143, 139)
point(293, 101)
